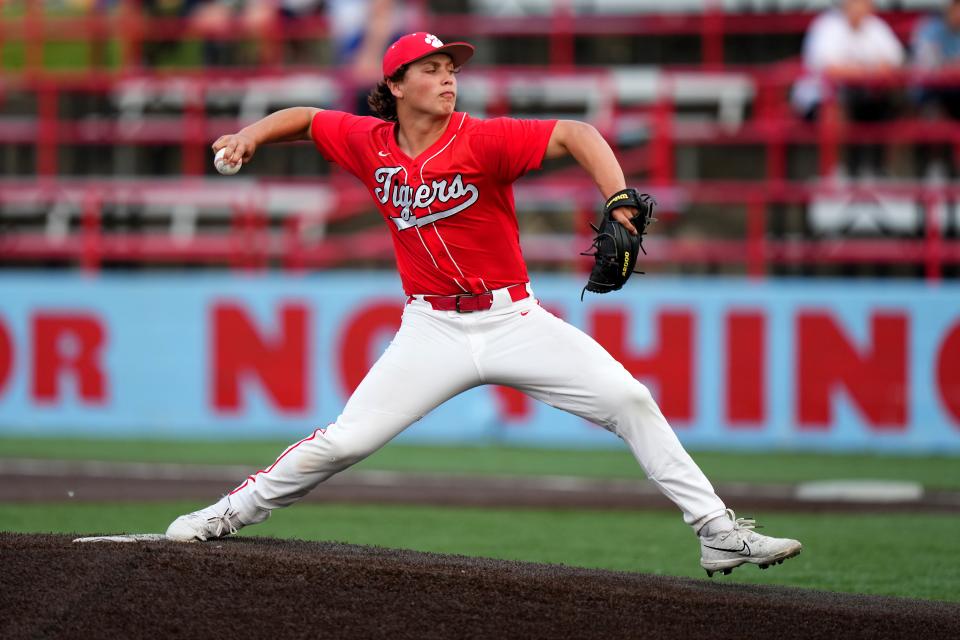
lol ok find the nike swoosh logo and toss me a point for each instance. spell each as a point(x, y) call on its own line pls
point(382, 154)
point(740, 551)
point(523, 313)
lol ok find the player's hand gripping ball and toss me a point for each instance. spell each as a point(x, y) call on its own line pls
point(223, 166)
point(615, 248)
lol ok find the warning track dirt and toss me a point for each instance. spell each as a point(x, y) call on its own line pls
point(23, 480)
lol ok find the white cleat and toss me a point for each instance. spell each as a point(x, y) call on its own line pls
point(741, 545)
point(216, 521)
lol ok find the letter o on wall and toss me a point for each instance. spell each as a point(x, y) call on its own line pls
point(948, 372)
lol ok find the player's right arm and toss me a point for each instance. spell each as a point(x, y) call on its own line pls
point(281, 126)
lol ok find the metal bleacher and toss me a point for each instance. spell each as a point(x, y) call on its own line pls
point(110, 165)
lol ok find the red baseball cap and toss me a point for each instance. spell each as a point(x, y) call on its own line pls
point(414, 46)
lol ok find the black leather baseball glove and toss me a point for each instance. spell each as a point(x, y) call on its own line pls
point(614, 248)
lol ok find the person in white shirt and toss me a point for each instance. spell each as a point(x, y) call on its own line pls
point(844, 45)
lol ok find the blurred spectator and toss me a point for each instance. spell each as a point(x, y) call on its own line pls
point(361, 30)
point(844, 46)
point(848, 43)
point(155, 51)
point(213, 20)
point(936, 46)
point(79, 6)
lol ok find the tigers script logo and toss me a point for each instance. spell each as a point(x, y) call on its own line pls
point(407, 199)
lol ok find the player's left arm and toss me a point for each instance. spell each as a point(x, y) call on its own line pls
point(591, 151)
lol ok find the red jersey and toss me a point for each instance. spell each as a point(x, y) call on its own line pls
point(450, 209)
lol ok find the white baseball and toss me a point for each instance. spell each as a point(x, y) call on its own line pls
point(223, 166)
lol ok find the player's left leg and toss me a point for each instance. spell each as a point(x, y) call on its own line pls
point(557, 363)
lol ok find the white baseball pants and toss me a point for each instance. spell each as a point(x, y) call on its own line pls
point(439, 354)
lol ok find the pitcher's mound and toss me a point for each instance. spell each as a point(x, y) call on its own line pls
point(269, 588)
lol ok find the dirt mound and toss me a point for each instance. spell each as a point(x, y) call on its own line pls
point(268, 588)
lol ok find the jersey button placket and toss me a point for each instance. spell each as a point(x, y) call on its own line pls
point(436, 250)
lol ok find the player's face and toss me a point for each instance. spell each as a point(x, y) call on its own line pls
point(430, 85)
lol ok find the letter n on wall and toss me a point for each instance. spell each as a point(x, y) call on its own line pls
point(279, 363)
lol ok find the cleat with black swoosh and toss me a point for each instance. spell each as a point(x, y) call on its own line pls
point(742, 545)
point(216, 521)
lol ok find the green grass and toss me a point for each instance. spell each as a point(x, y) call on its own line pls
point(906, 555)
point(932, 471)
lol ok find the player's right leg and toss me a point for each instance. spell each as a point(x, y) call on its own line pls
point(427, 363)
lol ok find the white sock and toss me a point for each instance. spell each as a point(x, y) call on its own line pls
point(720, 524)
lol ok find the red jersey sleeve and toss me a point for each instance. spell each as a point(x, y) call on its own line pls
point(330, 131)
point(509, 147)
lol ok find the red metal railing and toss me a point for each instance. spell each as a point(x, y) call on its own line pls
point(560, 27)
point(248, 242)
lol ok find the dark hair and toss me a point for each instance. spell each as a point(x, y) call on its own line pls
point(381, 101)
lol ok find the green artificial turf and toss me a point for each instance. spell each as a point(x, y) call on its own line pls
point(850, 553)
point(940, 472)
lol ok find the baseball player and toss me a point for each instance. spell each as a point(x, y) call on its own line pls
point(442, 181)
